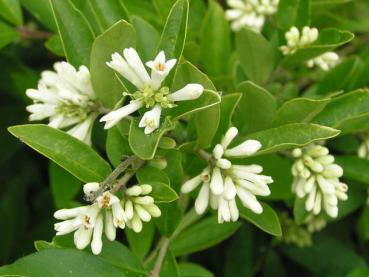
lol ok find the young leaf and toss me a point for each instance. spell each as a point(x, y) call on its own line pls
point(256, 109)
point(291, 135)
point(255, 55)
point(106, 84)
point(267, 221)
point(162, 193)
point(187, 269)
point(144, 146)
point(68, 152)
point(11, 11)
point(7, 34)
point(75, 32)
point(215, 56)
point(202, 235)
point(293, 13)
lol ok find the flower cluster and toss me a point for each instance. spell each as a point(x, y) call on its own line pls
point(150, 92)
point(106, 214)
point(222, 182)
point(65, 96)
point(316, 178)
point(296, 40)
point(325, 61)
point(250, 13)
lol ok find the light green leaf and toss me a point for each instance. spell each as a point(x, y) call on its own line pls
point(215, 41)
point(328, 40)
point(299, 110)
point(208, 99)
point(64, 186)
point(267, 221)
point(75, 32)
point(55, 45)
point(41, 10)
point(202, 235)
point(144, 146)
point(147, 38)
point(7, 34)
point(293, 13)
point(187, 269)
point(174, 33)
point(256, 109)
point(163, 7)
point(68, 152)
point(106, 84)
point(11, 11)
point(255, 55)
point(162, 193)
point(291, 135)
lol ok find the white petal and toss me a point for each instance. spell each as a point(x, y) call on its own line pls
point(189, 92)
point(218, 151)
point(134, 191)
point(134, 61)
point(110, 230)
point(129, 209)
point(229, 192)
point(69, 213)
point(246, 148)
point(233, 210)
point(114, 117)
point(216, 183)
point(153, 210)
point(191, 184)
point(136, 223)
point(96, 244)
point(142, 213)
point(229, 136)
point(202, 199)
point(249, 200)
point(82, 237)
point(151, 120)
point(224, 163)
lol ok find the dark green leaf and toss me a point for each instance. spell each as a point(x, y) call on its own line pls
point(11, 11)
point(187, 269)
point(7, 34)
point(293, 13)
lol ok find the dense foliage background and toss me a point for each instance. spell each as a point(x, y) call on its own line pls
point(32, 187)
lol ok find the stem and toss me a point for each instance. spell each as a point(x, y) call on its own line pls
point(159, 261)
point(127, 176)
point(204, 155)
point(26, 33)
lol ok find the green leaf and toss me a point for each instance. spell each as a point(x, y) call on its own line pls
point(299, 110)
point(116, 146)
point(144, 146)
point(163, 7)
point(359, 272)
point(140, 243)
point(174, 33)
point(174, 169)
point(106, 84)
point(345, 110)
point(256, 109)
point(61, 262)
point(55, 45)
point(171, 216)
point(187, 269)
point(363, 224)
point(293, 13)
point(255, 55)
point(11, 11)
point(163, 193)
point(68, 152)
point(202, 235)
point(75, 33)
point(215, 41)
point(41, 10)
point(267, 221)
point(64, 186)
point(147, 38)
point(355, 169)
point(291, 135)
point(328, 40)
point(169, 266)
point(150, 174)
point(207, 99)
point(7, 34)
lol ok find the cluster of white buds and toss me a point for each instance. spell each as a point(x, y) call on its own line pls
point(325, 61)
point(296, 40)
point(363, 151)
point(222, 182)
point(150, 92)
point(316, 178)
point(250, 13)
point(66, 97)
point(105, 215)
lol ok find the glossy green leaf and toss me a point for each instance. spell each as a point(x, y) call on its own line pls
point(106, 84)
point(293, 13)
point(140, 243)
point(163, 7)
point(202, 235)
point(41, 10)
point(171, 216)
point(11, 11)
point(169, 266)
point(255, 55)
point(299, 110)
point(328, 40)
point(64, 186)
point(215, 56)
point(162, 193)
point(267, 221)
point(68, 152)
point(75, 32)
point(256, 109)
point(187, 269)
point(144, 146)
point(7, 34)
point(55, 45)
point(291, 135)
point(174, 169)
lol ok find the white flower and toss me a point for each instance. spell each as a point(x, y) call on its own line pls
point(67, 99)
point(221, 182)
point(296, 40)
point(139, 207)
point(317, 180)
point(325, 61)
point(250, 13)
point(151, 92)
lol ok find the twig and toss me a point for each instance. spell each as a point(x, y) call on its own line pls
point(159, 261)
point(26, 33)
